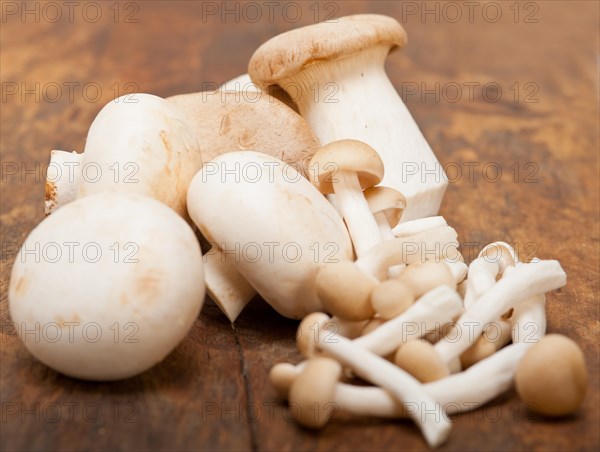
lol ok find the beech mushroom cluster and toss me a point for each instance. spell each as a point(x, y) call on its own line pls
point(285, 189)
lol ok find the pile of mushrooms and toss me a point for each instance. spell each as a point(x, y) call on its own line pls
point(283, 189)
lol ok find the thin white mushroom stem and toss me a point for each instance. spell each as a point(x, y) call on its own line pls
point(458, 269)
point(433, 309)
point(417, 226)
point(513, 289)
point(457, 393)
point(384, 226)
point(407, 250)
point(528, 320)
point(355, 210)
point(492, 260)
point(62, 179)
point(405, 389)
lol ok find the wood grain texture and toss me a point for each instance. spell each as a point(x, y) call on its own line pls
point(211, 393)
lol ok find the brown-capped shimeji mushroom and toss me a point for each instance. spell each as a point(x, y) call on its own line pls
point(346, 168)
point(393, 296)
point(345, 287)
point(436, 307)
point(312, 393)
point(552, 378)
point(457, 393)
point(138, 143)
point(334, 71)
point(387, 205)
point(426, 412)
point(227, 121)
point(513, 289)
point(492, 260)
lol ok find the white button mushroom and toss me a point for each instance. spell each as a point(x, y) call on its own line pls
point(281, 226)
point(118, 287)
point(335, 73)
point(138, 143)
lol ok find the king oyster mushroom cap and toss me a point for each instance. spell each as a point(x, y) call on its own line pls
point(138, 143)
point(333, 71)
point(230, 121)
point(121, 282)
point(346, 168)
point(141, 143)
point(285, 222)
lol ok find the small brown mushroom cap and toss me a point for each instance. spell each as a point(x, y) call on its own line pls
point(372, 325)
point(345, 291)
point(425, 276)
point(312, 393)
point(551, 377)
point(391, 298)
point(226, 121)
point(307, 334)
point(289, 53)
point(387, 200)
point(281, 376)
point(421, 360)
point(345, 155)
point(486, 344)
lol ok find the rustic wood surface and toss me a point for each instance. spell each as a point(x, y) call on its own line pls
point(540, 128)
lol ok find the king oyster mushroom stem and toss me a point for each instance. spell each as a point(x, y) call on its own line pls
point(334, 71)
point(457, 393)
point(345, 287)
point(140, 268)
point(138, 143)
point(346, 168)
point(405, 389)
point(261, 193)
point(512, 290)
point(232, 120)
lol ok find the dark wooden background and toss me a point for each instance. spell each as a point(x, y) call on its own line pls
point(211, 393)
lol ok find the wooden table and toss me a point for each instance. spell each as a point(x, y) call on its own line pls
point(508, 90)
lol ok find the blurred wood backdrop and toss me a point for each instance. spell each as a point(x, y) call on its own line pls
point(493, 85)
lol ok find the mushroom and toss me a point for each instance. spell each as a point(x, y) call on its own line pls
point(289, 228)
point(346, 168)
point(392, 297)
point(138, 143)
point(492, 260)
point(312, 392)
point(116, 286)
point(417, 226)
point(457, 393)
point(226, 121)
point(406, 390)
point(552, 378)
point(243, 83)
point(387, 205)
point(513, 289)
point(345, 287)
point(436, 307)
point(334, 71)
point(495, 336)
